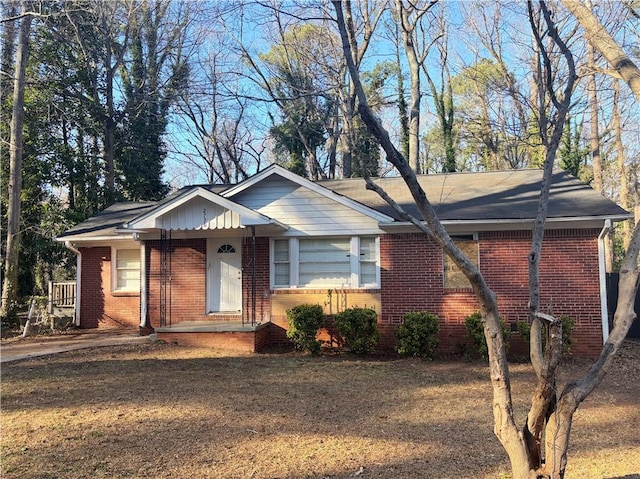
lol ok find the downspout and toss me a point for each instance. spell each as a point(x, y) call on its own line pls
point(76, 309)
point(143, 283)
point(604, 310)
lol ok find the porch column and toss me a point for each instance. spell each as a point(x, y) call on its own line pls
point(143, 285)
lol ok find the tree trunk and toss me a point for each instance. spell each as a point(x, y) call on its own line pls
point(14, 190)
point(606, 45)
point(504, 423)
point(594, 139)
point(622, 169)
point(415, 96)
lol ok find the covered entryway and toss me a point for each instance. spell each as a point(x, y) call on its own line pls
point(199, 284)
point(224, 275)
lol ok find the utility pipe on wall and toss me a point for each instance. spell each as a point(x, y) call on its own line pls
point(604, 310)
point(76, 309)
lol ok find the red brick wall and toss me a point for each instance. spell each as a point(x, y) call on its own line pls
point(568, 277)
point(186, 294)
point(99, 306)
point(188, 291)
point(412, 280)
point(262, 302)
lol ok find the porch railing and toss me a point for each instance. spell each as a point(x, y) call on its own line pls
point(62, 295)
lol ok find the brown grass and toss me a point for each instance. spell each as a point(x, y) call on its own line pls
point(163, 411)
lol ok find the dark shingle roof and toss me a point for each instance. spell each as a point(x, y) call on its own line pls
point(499, 195)
point(487, 196)
point(106, 222)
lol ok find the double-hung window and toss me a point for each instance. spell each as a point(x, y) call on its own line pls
point(281, 264)
point(126, 270)
point(340, 262)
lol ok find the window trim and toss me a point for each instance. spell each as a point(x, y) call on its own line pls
point(472, 237)
point(114, 269)
point(354, 263)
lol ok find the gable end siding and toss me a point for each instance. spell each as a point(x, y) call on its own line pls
point(305, 212)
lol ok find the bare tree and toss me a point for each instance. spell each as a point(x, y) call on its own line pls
point(594, 138)
point(215, 115)
point(510, 109)
point(14, 190)
point(410, 18)
point(539, 449)
point(599, 37)
point(621, 161)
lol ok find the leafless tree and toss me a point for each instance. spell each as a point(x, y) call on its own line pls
point(539, 448)
point(14, 189)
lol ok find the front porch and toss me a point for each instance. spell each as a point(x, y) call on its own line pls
point(232, 335)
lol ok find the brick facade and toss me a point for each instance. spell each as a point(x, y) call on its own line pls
point(100, 307)
point(412, 279)
point(256, 300)
point(186, 291)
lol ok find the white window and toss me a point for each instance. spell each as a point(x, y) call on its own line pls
point(281, 263)
point(325, 262)
point(126, 270)
point(368, 252)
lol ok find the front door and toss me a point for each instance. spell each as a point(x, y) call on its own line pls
point(224, 275)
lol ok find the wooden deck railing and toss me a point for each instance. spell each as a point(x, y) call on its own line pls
point(62, 295)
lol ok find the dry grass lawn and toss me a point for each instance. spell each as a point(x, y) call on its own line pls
point(164, 411)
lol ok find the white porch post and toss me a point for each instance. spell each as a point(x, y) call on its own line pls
point(143, 284)
point(76, 309)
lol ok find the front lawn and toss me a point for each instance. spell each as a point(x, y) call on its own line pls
point(164, 411)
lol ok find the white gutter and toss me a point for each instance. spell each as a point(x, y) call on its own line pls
point(603, 279)
point(76, 309)
point(515, 221)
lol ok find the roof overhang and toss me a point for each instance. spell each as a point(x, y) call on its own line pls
point(457, 226)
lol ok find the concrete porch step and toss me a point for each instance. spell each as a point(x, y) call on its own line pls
point(223, 335)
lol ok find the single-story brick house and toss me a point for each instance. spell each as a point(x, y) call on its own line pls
point(220, 265)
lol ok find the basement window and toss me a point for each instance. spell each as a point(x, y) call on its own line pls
point(453, 276)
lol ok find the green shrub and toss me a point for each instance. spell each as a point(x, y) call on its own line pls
point(358, 329)
point(524, 329)
point(475, 332)
point(417, 336)
point(304, 322)
point(567, 328)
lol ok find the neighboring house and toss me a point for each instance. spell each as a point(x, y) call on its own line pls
point(220, 265)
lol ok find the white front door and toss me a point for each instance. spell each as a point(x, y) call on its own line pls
point(224, 275)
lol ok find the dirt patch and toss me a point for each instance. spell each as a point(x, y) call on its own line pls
point(165, 411)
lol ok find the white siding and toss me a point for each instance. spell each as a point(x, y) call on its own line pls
point(304, 211)
point(198, 214)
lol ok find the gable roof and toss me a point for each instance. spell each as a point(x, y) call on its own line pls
point(226, 214)
point(464, 198)
point(316, 187)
